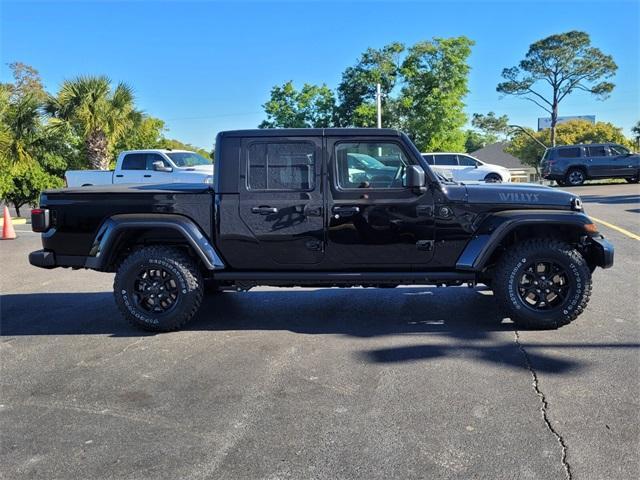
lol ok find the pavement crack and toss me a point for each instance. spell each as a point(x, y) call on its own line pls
point(544, 407)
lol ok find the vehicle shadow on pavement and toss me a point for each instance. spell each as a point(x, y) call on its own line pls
point(450, 322)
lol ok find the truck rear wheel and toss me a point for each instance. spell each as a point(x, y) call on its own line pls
point(542, 283)
point(158, 288)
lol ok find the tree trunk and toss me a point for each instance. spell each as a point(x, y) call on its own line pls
point(554, 120)
point(17, 208)
point(97, 147)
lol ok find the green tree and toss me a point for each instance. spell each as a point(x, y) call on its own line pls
point(357, 89)
point(562, 64)
point(569, 133)
point(178, 145)
point(436, 74)
point(145, 132)
point(491, 125)
point(636, 133)
point(488, 129)
point(98, 114)
point(26, 82)
point(21, 184)
point(311, 107)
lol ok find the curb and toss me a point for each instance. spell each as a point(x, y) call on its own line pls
point(15, 221)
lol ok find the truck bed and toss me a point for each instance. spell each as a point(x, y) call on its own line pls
point(77, 213)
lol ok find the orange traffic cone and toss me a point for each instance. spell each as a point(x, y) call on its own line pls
point(8, 233)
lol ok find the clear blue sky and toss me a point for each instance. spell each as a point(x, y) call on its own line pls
point(208, 66)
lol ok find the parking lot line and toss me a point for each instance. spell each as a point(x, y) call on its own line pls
point(615, 227)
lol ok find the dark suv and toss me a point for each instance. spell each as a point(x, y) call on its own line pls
point(573, 164)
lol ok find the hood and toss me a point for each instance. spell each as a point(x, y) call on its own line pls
point(523, 194)
point(208, 169)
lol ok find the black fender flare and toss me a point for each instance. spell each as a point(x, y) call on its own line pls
point(101, 251)
point(493, 229)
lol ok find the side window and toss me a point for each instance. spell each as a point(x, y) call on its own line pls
point(281, 166)
point(153, 157)
point(134, 161)
point(370, 165)
point(618, 150)
point(428, 159)
point(449, 160)
point(569, 152)
point(598, 151)
point(467, 161)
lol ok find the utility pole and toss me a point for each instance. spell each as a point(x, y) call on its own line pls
point(379, 105)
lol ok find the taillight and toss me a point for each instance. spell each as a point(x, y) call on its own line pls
point(40, 219)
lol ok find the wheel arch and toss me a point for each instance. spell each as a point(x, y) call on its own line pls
point(120, 233)
point(504, 229)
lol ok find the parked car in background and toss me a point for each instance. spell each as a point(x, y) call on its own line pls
point(572, 165)
point(461, 167)
point(148, 166)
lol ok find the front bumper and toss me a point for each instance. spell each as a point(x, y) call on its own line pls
point(601, 252)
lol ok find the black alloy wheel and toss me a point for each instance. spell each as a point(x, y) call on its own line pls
point(544, 285)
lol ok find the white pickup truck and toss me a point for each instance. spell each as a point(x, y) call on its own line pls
point(148, 166)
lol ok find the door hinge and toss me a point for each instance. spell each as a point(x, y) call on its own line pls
point(425, 245)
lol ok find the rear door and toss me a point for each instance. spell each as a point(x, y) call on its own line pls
point(375, 222)
point(281, 200)
point(131, 170)
point(599, 163)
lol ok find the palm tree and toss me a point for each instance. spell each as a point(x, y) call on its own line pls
point(19, 127)
point(98, 114)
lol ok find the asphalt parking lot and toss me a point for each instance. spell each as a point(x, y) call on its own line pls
point(327, 384)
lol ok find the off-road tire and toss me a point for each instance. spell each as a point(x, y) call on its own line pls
point(511, 267)
point(575, 177)
point(493, 178)
point(187, 277)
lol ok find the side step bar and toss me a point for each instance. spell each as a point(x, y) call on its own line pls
point(347, 277)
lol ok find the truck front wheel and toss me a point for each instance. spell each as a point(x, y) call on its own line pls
point(158, 288)
point(542, 283)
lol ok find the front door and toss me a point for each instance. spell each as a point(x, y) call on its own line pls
point(599, 163)
point(281, 201)
point(374, 221)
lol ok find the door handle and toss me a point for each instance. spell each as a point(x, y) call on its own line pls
point(345, 211)
point(264, 210)
point(147, 176)
point(119, 176)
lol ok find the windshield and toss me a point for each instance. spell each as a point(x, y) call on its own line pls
point(188, 159)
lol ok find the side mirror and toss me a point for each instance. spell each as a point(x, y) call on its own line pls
point(159, 166)
point(415, 178)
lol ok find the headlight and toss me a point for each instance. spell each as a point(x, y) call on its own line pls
point(209, 179)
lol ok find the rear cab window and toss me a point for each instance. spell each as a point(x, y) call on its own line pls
point(134, 161)
point(281, 166)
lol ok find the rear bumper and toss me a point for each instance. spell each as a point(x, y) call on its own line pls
point(601, 252)
point(48, 259)
point(43, 259)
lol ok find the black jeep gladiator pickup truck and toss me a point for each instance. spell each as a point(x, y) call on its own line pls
point(324, 208)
